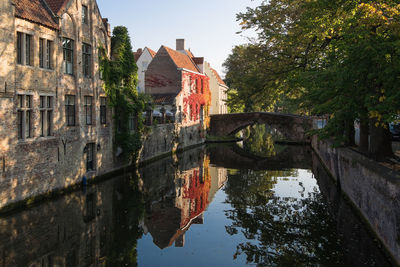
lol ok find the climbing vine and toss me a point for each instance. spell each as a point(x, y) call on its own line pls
point(199, 95)
point(120, 82)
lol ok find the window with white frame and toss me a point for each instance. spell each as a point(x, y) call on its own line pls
point(24, 116)
point(46, 115)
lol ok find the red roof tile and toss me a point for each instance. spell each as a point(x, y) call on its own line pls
point(220, 81)
point(35, 11)
point(56, 5)
point(152, 52)
point(182, 60)
point(190, 54)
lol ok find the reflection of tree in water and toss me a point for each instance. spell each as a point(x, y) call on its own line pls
point(259, 140)
point(128, 208)
point(279, 231)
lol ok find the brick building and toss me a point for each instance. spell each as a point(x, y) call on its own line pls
point(55, 125)
point(174, 79)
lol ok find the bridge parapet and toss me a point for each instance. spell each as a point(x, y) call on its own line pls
point(293, 127)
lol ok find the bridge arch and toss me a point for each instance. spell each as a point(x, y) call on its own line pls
point(293, 127)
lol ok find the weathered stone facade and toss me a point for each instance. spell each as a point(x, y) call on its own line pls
point(39, 149)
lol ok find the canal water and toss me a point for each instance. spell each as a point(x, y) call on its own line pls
point(220, 205)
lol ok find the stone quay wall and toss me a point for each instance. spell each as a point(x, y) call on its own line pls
point(373, 189)
point(168, 138)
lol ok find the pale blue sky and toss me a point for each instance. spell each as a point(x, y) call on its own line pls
point(208, 26)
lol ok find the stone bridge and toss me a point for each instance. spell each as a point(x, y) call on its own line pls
point(293, 127)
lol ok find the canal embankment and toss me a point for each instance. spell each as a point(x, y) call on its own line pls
point(373, 189)
point(160, 141)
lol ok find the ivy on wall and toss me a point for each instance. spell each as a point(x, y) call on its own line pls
point(120, 82)
point(199, 95)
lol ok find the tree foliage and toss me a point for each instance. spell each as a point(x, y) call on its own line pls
point(121, 79)
point(340, 58)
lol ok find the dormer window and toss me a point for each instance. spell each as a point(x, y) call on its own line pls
point(84, 15)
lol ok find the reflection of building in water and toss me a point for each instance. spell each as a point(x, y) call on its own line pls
point(79, 229)
point(194, 187)
point(219, 177)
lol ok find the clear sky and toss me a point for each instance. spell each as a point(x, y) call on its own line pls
point(208, 26)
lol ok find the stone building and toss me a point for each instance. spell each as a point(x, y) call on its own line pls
point(55, 126)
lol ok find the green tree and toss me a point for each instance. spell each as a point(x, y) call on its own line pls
point(340, 58)
point(121, 79)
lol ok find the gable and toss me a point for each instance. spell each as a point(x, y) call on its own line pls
point(181, 60)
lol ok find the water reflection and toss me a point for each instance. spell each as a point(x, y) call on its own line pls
point(220, 206)
point(177, 193)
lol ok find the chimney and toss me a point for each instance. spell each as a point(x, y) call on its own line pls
point(139, 51)
point(180, 44)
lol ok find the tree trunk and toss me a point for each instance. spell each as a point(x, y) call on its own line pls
point(349, 133)
point(380, 141)
point(364, 135)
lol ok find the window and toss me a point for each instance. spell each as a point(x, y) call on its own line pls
point(88, 110)
point(84, 15)
point(46, 115)
point(19, 47)
point(41, 53)
point(45, 49)
point(131, 122)
point(68, 55)
point(49, 50)
point(28, 47)
point(86, 59)
point(90, 157)
point(24, 49)
point(103, 110)
point(197, 86)
point(24, 116)
point(102, 55)
point(70, 109)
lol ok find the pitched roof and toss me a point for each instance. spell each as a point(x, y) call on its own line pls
point(35, 11)
point(56, 5)
point(220, 81)
point(152, 52)
point(181, 60)
point(190, 54)
point(137, 54)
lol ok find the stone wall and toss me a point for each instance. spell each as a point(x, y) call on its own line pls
point(373, 189)
point(167, 138)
